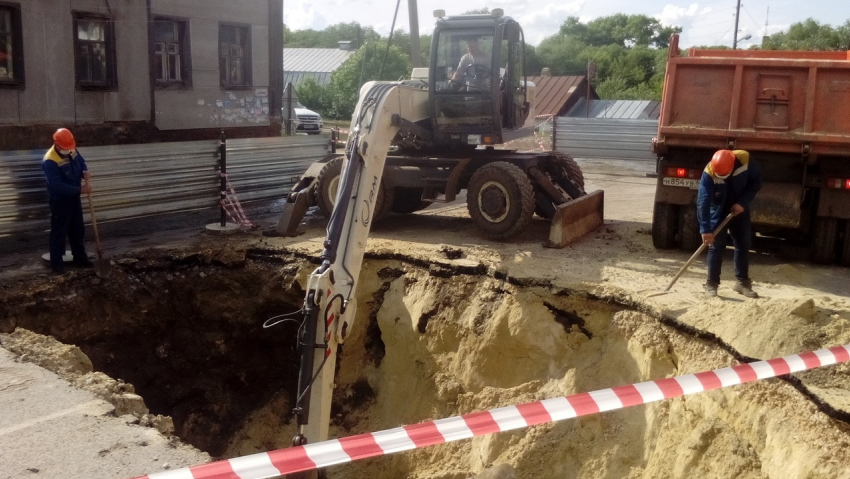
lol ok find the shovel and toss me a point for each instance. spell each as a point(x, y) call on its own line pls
point(692, 258)
point(101, 267)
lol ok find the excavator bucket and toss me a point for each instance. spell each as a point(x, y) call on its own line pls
point(293, 213)
point(575, 219)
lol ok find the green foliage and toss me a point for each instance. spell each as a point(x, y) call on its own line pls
point(338, 98)
point(329, 37)
point(810, 35)
point(619, 29)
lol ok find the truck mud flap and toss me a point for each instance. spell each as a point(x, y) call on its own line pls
point(575, 219)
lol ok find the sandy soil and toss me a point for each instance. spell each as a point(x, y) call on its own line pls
point(498, 338)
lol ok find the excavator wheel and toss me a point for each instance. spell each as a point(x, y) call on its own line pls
point(564, 166)
point(408, 200)
point(327, 184)
point(500, 199)
point(561, 168)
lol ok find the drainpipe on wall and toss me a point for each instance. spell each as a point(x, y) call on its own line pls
point(275, 65)
point(151, 77)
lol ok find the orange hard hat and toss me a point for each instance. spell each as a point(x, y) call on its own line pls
point(722, 163)
point(64, 139)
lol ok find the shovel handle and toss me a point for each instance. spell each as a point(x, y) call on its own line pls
point(697, 253)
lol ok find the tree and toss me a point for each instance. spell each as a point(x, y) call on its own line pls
point(338, 99)
point(619, 29)
point(810, 35)
point(330, 36)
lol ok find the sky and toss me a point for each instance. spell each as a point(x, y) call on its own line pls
point(709, 22)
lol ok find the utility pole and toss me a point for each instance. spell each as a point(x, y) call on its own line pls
point(737, 16)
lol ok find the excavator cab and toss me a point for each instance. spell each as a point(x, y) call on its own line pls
point(477, 83)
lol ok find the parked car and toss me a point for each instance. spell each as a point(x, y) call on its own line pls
point(305, 121)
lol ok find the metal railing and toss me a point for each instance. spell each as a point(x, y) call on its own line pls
point(605, 138)
point(132, 181)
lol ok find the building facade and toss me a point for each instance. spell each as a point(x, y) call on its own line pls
point(136, 71)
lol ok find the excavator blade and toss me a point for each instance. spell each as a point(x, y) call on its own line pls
point(575, 219)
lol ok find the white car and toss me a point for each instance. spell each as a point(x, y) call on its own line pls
point(306, 121)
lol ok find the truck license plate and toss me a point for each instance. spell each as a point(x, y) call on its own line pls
point(683, 182)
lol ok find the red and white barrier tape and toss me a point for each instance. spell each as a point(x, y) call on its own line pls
point(233, 207)
point(347, 449)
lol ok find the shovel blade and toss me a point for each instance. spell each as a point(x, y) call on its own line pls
point(575, 219)
point(101, 268)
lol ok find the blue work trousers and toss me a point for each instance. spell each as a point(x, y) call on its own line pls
point(66, 221)
point(741, 231)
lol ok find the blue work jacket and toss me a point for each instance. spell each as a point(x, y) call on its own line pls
point(64, 175)
point(716, 195)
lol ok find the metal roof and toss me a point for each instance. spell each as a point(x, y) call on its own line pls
point(617, 109)
point(555, 94)
point(319, 63)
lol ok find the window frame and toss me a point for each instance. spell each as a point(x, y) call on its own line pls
point(184, 49)
point(111, 81)
point(247, 68)
point(17, 37)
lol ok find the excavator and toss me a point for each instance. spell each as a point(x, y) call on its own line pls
point(422, 140)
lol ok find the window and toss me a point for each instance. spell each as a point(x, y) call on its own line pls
point(93, 43)
point(234, 46)
point(11, 55)
point(171, 52)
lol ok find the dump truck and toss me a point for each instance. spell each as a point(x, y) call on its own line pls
point(466, 106)
point(789, 110)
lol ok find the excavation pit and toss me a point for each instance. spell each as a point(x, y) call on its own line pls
point(431, 340)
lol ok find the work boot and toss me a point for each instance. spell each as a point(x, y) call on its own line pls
point(83, 263)
point(58, 269)
point(710, 290)
point(745, 288)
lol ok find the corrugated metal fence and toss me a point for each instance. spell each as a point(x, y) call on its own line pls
point(132, 181)
point(605, 138)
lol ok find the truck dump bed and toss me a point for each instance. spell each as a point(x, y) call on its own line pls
point(779, 101)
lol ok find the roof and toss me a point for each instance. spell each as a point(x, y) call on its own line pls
point(617, 109)
point(555, 94)
point(318, 63)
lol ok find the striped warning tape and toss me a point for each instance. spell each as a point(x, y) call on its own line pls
point(347, 449)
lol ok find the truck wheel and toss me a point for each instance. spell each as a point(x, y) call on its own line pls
point(844, 259)
point(664, 225)
point(500, 199)
point(822, 247)
point(689, 228)
point(326, 186)
point(408, 200)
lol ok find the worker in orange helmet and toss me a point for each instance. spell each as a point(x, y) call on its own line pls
point(65, 170)
point(729, 184)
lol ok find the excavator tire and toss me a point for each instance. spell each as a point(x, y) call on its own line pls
point(327, 184)
point(562, 167)
point(567, 167)
point(500, 199)
point(408, 200)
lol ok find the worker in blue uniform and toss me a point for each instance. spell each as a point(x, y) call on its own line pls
point(729, 184)
point(64, 168)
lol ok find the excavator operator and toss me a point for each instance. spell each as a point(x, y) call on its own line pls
point(473, 71)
